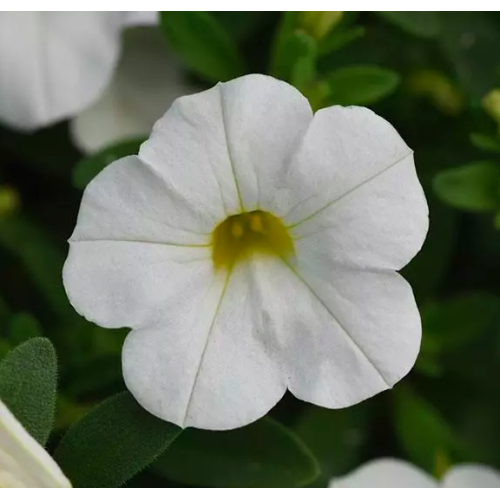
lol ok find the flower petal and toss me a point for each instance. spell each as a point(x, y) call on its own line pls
point(53, 64)
point(23, 462)
point(385, 473)
point(146, 82)
point(242, 131)
point(345, 334)
point(355, 182)
point(471, 476)
point(130, 201)
point(128, 283)
point(207, 365)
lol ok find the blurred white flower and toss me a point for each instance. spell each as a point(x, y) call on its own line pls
point(252, 248)
point(54, 64)
point(146, 82)
point(23, 462)
point(394, 473)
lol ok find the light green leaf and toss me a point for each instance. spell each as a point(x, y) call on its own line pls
point(474, 187)
point(202, 44)
point(489, 143)
point(85, 170)
point(23, 327)
point(336, 437)
point(280, 66)
point(28, 381)
point(263, 454)
point(422, 433)
point(112, 443)
point(337, 39)
point(422, 24)
point(360, 85)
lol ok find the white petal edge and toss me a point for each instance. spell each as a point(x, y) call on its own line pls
point(145, 84)
point(353, 176)
point(471, 476)
point(385, 473)
point(45, 82)
point(23, 462)
point(207, 365)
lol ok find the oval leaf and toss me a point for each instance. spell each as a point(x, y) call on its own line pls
point(263, 454)
point(489, 143)
point(28, 381)
point(202, 44)
point(112, 443)
point(422, 433)
point(360, 85)
point(85, 170)
point(474, 187)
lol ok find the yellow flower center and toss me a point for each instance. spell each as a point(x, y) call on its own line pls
point(248, 233)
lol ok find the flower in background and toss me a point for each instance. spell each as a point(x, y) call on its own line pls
point(55, 64)
point(23, 462)
point(393, 473)
point(146, 82)
point(253, 247)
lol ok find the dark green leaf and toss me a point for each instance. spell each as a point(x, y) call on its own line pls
point(202, 44)
point(457, 321)
point(27, 241)
point(489, 143)
point(23, 327)
point(263, 454)
point(28, 382)
point(112, 443)
point(336, 437)
point(85, 170)
point(423, 24)
point(474, 187)
point(360, 85)
point(422, 433)
point(471, 41)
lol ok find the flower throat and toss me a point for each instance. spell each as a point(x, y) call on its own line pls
point(249, 233)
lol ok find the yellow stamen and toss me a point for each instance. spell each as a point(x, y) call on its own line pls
point(236, 229)
point(256, 223)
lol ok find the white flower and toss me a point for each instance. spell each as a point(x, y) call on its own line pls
point(54, 64)
point(393, 473)
point(146, 82)
point(252, 248)
point(23, 462)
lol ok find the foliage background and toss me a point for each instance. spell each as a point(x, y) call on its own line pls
point(428, 74)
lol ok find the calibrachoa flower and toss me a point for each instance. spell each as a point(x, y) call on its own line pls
point(23, 462)
point(393, 473)
point(252, 248)
point(54, 64)
point(146, 82)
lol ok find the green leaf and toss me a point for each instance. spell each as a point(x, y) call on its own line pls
point(422, 24)
point(337, 39)
point(489, 143)
point(280, 58)
point(457, 321)
point(202, 44)
point(112, 443)
point(302, 52)
point(336, 437)
point(422, 433)
point(474, 187)
point(28, 241)
point(23, 327)
point(85, 170)
point(360, 85)
point(263, 454)
point(28, 381)
point(471, 42)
